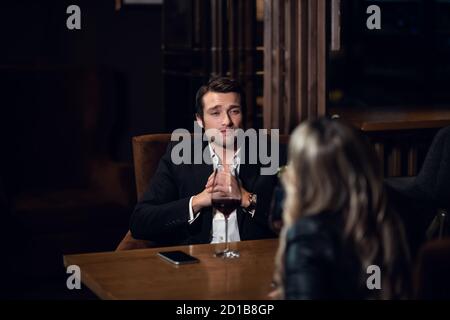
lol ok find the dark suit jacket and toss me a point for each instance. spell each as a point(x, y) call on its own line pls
point(162, 215)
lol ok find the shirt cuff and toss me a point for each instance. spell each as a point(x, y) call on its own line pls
point(191, 212)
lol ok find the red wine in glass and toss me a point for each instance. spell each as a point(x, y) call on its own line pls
point(226, 202)
point(226, 206)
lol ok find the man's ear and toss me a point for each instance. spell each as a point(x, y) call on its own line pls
point(199, 121)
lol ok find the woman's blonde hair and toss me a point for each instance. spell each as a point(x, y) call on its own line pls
point(333, 169)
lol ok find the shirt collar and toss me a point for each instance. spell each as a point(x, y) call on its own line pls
point(217, 161)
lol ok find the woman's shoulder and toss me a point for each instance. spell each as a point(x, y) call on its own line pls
point(318, 236)
point(322, 224)
point(309, 259)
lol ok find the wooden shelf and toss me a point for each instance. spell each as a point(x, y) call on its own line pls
point(394, 118)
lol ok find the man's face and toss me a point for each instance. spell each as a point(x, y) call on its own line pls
point(221, 111)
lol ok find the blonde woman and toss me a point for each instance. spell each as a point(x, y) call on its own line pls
point(336, 223)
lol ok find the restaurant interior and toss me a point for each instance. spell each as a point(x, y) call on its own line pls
point(83, 110)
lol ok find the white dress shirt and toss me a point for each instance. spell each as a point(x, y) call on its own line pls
point(218, 223)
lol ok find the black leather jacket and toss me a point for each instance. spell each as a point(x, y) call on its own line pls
point(317, 263)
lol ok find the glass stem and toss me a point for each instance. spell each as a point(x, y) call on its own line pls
point(226, 235)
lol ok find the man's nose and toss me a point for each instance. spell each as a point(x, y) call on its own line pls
point(226, 121)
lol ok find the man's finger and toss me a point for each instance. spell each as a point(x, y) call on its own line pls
point(209, 183)
point(223, 189)
point(210, 180)
point(219, 194)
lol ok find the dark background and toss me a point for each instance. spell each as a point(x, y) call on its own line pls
point(405, 63)
point(70, 102)
point(123, 46)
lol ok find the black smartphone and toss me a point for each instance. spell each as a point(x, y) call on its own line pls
point(178, 257)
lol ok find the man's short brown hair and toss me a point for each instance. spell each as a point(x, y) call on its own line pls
point(217, 84)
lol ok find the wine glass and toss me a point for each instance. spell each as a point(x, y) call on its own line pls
point(226, 197)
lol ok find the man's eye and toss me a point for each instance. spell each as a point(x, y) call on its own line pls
point(215, 113)
point(236, 111)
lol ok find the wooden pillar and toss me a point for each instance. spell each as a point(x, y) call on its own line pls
point(242, 50)
point(412, 160)
point(218, 28)
point(295, 62)
point(394, 162)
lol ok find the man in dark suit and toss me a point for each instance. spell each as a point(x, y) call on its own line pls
point(176, 209)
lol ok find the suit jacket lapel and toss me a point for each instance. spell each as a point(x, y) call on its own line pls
point(247, 175)
point(200, 173)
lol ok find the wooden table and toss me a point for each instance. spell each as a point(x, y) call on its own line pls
point(141, 274)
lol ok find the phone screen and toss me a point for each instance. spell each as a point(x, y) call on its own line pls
point(178, 257)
